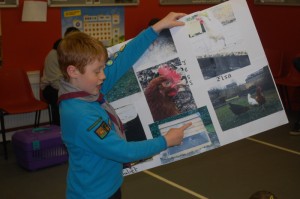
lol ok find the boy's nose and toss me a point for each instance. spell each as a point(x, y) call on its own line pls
point(103, 77)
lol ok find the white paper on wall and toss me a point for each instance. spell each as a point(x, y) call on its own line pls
point(212, 71)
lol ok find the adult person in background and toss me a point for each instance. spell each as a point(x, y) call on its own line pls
point(51, 77)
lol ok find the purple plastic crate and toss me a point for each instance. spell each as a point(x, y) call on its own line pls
point(40, 147)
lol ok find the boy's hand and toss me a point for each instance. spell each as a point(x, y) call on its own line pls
point(169, 21)
point(175, 135)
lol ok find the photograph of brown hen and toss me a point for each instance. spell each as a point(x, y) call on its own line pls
point(260, 98)
point(160, 91)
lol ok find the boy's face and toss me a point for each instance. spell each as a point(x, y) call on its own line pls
point(90, 81)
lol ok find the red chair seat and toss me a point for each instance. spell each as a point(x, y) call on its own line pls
point(16, 98)
point(291, 79)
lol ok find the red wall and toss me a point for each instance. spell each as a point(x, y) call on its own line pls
point(25, 44)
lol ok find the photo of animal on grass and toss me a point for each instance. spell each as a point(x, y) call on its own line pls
point(239, 103)
point(166, 89)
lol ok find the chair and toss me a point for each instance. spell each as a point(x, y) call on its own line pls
point(291, 79)
point(16, 98)
point(275, 59)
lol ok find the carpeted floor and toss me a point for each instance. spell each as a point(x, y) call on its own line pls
point(269, 160)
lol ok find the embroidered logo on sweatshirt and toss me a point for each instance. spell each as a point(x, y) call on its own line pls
point(103, 130)
point(95, 124)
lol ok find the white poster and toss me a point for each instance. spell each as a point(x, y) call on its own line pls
point(212, 71)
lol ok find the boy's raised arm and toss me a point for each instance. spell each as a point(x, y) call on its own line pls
point(169, 21)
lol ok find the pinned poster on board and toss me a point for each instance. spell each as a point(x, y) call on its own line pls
point(103, 23)
point(212, 71)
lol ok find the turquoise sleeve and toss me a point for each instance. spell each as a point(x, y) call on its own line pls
point(115, 148)
point(124, 59)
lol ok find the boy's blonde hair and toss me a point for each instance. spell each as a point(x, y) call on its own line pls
point(79, 49)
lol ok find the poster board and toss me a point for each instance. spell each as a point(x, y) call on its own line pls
point(223, 85)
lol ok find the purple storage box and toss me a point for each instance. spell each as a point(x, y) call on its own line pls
point(40, 147)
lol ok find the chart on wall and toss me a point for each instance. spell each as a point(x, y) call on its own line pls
point(212, 71)
point(104, 23)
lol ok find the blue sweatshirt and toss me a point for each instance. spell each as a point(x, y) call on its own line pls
point(96, 151)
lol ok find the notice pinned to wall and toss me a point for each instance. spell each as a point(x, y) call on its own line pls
point(103, 23)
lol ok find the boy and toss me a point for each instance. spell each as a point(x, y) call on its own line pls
point(90, 128)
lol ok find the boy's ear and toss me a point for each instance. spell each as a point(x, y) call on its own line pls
point(72, 71)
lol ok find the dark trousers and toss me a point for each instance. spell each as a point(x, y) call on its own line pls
point(117, 195)
point(50, 94)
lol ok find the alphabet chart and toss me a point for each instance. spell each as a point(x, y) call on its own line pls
point(103, 23)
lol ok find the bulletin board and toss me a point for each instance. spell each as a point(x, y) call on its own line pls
point(183, 2)
point(9, 3)
point(106, 24)
point(76, 3)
